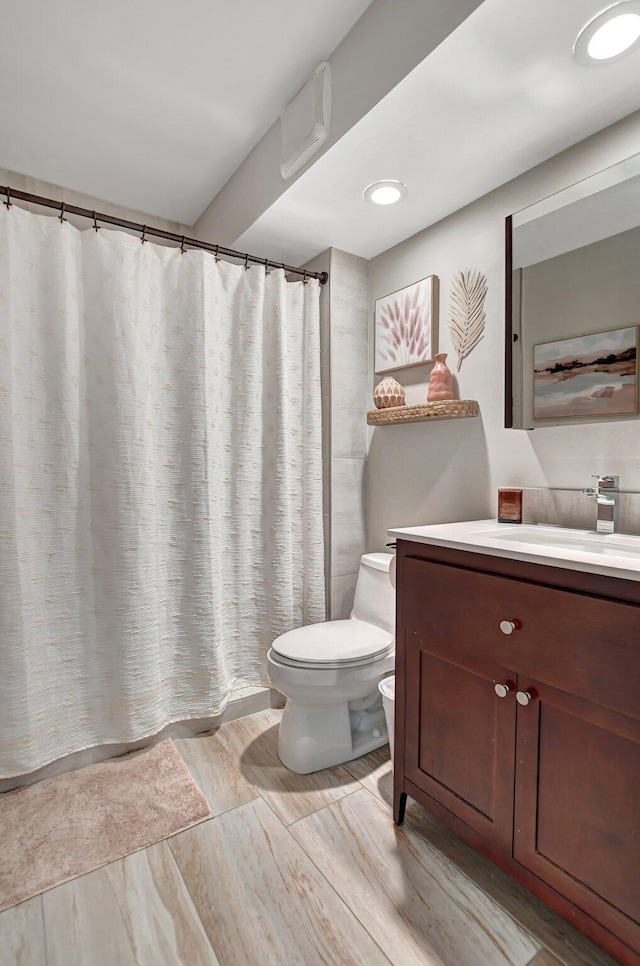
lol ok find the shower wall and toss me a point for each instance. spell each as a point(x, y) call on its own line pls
point(346, 396)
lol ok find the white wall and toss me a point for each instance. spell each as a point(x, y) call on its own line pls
point(450, 470)
point(22, 182)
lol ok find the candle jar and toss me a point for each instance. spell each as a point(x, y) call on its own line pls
point(509, 506)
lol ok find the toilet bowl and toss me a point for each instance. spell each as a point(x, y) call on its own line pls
point(329, 674)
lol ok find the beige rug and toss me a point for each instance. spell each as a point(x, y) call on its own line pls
point(63, 827)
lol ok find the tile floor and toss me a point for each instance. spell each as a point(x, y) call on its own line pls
point(293, 870)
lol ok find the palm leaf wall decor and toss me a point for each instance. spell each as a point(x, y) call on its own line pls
point(468, 292)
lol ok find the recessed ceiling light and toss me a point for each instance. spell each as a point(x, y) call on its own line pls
point(611, 35)
point(385, 193)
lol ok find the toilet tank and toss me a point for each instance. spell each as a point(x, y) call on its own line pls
point(375, 599)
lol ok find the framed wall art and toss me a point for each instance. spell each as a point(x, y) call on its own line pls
point(406, 326)
point(591, 375)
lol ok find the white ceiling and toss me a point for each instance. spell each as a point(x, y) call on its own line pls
point(500, 95)
point(153, 104)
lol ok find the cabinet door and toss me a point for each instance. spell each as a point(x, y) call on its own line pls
point(577, 819)
point(460, 736)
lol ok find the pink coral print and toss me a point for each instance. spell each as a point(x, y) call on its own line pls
point(403, 327)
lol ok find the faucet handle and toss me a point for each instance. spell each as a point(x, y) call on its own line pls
point(607, 482)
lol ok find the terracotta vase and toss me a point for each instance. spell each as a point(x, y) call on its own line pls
point(440, 382)
point(388, 393)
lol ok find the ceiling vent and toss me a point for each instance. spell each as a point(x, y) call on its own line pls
point(305, 121)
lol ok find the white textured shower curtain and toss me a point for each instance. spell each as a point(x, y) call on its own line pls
point(160, 482)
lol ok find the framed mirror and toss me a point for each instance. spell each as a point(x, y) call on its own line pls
point(573, 303)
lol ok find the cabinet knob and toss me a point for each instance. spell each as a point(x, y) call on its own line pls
point(502, 690)
point(523, 697)
point(508, 627)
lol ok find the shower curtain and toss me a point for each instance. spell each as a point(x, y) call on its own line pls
point(160, 482)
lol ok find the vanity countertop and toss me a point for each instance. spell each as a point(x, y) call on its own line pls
point(612, 555)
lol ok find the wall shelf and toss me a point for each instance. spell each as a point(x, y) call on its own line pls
point(448, 409)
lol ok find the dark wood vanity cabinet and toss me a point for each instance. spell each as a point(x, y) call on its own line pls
point(526, 738)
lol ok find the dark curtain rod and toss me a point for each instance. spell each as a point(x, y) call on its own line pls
point(146, 230)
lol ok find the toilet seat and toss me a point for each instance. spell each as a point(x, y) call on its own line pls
point(333, 644)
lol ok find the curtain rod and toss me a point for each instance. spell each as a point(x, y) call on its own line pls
point(145, 230)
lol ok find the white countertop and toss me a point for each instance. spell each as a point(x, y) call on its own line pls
point(612, 555)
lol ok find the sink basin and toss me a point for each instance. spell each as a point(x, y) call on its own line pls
point(557, 538)
point(615, 554)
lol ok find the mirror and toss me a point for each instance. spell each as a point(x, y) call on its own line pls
point(573, 303)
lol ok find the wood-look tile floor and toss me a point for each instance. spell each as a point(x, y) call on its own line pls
point(293, 870)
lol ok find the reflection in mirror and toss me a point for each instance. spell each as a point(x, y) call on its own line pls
point(573, 303)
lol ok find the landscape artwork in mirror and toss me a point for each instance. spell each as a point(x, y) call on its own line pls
point(406, 326)
point(591, 375)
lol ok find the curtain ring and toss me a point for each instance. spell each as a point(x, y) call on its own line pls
point(144, 232)
point(62, 218)
point(182, 248)
point(8, 194)
point(95, 221)
point(266, 266)
point(217, 257)
point(246, 262)
point(304, 276)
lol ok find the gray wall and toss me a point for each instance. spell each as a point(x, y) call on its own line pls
point(450, 470)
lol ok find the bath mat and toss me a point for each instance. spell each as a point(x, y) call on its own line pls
point(62, 827)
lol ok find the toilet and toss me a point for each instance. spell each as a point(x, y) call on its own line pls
point(329, 674)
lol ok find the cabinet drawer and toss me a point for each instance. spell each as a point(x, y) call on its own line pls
point(588, 646)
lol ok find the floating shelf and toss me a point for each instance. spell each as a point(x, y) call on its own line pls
point(448, 409)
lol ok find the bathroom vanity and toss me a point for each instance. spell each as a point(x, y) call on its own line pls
point(518, 709)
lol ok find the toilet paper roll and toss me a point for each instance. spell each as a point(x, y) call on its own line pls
point(392, 571)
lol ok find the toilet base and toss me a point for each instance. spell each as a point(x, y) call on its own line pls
point(317, 736)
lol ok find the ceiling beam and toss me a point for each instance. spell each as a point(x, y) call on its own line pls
point(390, 39)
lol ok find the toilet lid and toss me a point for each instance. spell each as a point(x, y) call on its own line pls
point(333, 642)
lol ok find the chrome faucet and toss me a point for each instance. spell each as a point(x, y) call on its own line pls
point(606, 494)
